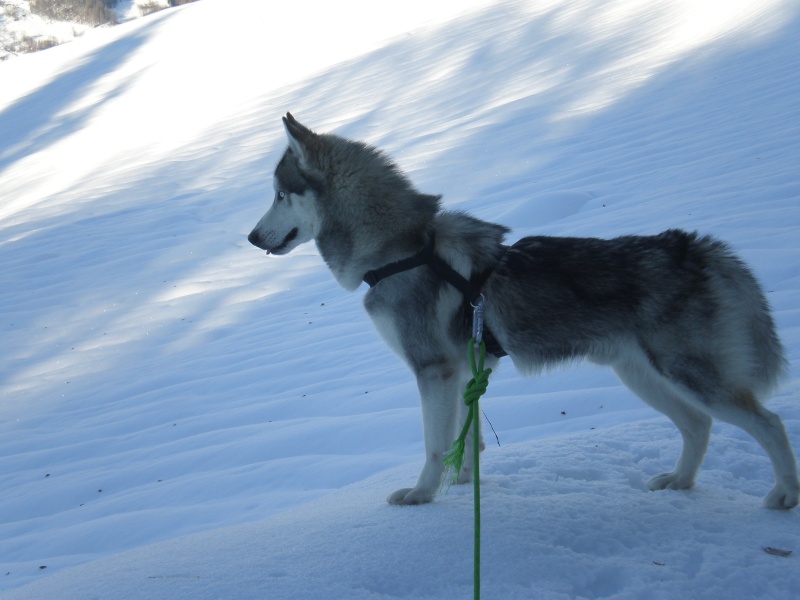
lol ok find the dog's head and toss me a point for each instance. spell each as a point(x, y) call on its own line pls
point(294, 217)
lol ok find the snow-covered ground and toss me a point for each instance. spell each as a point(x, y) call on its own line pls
point(20, 29)
point(17, 24)
point(131, 9)
point(183, 417)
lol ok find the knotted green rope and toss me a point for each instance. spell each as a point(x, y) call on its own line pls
point(475, 389)
point(455, 458)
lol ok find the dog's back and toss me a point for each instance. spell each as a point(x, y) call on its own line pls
point(678, 296)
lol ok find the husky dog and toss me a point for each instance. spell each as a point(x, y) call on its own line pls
point(678, 316)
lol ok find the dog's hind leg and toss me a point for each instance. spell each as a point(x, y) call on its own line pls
point(768, 430)
point(703, 384)
point(439, 386)
point(694, 425)
point(744, 410)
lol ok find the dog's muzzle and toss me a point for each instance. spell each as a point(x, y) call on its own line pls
point(257, 241)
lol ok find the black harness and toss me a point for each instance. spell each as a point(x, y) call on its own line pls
point(469, 288)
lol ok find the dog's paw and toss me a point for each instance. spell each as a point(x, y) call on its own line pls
point(783, 497)
point(410, 496)
point(670, 481)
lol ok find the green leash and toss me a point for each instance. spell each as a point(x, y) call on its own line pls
point(455, 458)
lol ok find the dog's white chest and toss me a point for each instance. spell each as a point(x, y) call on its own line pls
point(386, 327)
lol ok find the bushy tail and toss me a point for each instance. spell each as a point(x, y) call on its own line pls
point(770, 364)
point(753, 338)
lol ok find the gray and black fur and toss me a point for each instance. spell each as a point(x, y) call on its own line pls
point(678, 316)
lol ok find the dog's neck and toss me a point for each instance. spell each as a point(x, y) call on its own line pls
point(349, 257)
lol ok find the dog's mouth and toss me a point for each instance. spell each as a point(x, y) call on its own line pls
point(281, 248)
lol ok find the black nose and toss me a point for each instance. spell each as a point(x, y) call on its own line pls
point(254, 239)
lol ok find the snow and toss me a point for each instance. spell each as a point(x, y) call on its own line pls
point(131, 9)
point(183, 417)
point(18, 23)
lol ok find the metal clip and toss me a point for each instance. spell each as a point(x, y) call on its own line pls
point(477, 320)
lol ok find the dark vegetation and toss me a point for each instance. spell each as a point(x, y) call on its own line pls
point(89, 12)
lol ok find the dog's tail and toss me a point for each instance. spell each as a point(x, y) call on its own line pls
point(750, 337)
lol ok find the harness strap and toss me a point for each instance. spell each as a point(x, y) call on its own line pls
point(470, 289)
point(422, 257)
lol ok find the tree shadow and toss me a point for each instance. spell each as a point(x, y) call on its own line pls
point(145, 305)
point(38, 120)
point(489, 103)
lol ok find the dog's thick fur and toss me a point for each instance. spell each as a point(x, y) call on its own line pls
point(681, 320)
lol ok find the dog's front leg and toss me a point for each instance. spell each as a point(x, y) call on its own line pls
point(438, 390)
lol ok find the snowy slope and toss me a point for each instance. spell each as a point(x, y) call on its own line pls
point(181, 417)
point(17, 24)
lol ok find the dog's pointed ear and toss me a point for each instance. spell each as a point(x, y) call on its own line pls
point(301, 139)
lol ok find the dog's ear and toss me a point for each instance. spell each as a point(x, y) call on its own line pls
point(302, 140)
